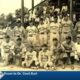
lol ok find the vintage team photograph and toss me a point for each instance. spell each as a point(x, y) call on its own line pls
point(39, 35)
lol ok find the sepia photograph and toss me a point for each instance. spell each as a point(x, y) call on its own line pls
point(39, 35)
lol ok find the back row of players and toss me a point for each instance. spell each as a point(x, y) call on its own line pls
point(43, 33)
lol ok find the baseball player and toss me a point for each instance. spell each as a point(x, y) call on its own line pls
point(64, 8)
point(7, 47)
point(31, 34)
point(19, 51)
point(70, 50)
point(30, 58)
point(2, 33)
point(67, 27)
point(57, 52)
point(77, 45)
point(19, 30)
point(77, 28)
point(54, 31)
point(44, 57)
point(42, 28)
point(10, 32)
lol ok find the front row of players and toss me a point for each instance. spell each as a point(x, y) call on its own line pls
point(63, 54)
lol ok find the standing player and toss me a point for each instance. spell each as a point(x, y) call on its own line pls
point(7, 47)
point(19, 30)
point(31, 34)
point(30, 58)
point(42, 28)
point(2, 33)
point(77, 28)
point(54, 30)
point(67, 27)
point(10, 32)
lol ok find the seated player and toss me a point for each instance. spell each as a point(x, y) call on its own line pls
point(44, 57)
point(7, 47)
point(19, 50)
point(70, 50)
point(30, 58)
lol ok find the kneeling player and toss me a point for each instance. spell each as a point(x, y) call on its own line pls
point(7, 50)
point(30, 58)
point(70, 51)
point(57, 52)
point(44, 57)
point(19, 50)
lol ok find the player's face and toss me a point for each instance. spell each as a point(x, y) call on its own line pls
point(18, 24)
point(44, 48)
point(19, 42)
point(31, 24)
point(41, 22)
point(66, 18)
point(55, 42)
point(30, 49)
point(68, 40)
point(60, 17)
point(7, 39)
point(55, 20)
point(78, 40)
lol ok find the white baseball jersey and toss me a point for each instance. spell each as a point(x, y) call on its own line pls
point(77, 27)
point(66, 26)
point(54, 27)
point(18, 31)
point(30, 56)
point(57, 9)
point(10, 32)
point(31, 30)
point(6, 47)
point(42, 28)
point(44, 56)
point(19, 49)
point(65, 8)
point(2, 33)
point(77, 48)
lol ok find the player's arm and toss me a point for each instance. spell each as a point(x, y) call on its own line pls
point(49, 57)
point(39, 57)
point(26, 56)
point(35, 56)
point(12, 50)
point(76, 27)
point(72, 26)
point(23, 51)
